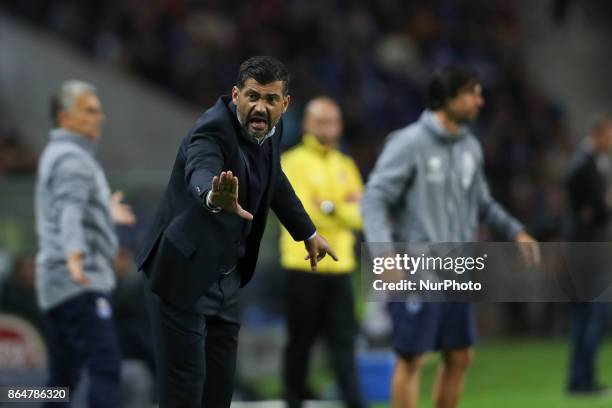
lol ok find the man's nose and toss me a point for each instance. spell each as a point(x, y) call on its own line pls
point(260, 106)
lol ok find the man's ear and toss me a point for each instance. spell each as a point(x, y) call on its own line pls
point(235, 93)
point(286, 103)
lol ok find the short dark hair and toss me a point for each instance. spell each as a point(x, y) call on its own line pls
point(447, 83)
point(264, 70)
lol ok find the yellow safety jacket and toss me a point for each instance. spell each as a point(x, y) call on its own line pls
point(318, 173)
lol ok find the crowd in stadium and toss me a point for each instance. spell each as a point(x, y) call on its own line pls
point(369, 56)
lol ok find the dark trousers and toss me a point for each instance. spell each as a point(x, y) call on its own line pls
point(588, 326)
point(320, 305)
point(195, 350)
point(81, 334)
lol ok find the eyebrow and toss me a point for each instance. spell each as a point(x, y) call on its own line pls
point(268, 95)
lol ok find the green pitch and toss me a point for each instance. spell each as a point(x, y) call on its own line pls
point(521, 373)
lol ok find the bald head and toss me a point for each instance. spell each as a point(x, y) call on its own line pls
point(323, 119)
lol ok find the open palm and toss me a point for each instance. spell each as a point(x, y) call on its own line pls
point(224, 194)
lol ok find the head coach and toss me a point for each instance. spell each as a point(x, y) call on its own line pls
point(204, 242)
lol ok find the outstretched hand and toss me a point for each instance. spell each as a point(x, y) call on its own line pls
point(530, 250)
point(224, 194)
point(317, 248)
point(122, 213)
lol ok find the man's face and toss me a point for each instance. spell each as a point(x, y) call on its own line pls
point(464, 107)
point(603, 137)
point(260, 106)
point(324, 121)
point(85, 117)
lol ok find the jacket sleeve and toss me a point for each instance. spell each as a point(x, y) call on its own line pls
point(204, 160)
point(492, 214)
point(394, 169)
point(290, 211)
point(70, 188)
point(348, 212)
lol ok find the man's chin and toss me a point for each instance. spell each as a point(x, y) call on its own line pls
point(467, 120)
point(258, 133)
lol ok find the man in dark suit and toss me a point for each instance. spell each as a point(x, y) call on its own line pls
point(204, 242)
point(588, 194)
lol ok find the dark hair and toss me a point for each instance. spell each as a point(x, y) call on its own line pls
point(447, 83)
point(264, 70)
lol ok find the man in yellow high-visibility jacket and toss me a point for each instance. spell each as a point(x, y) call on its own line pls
point(322, 302)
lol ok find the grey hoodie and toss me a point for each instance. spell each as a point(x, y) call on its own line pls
point(72, 205)
point(429, 186)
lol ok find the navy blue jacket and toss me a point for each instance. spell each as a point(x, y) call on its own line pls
point(586, 187)
point(187, 246)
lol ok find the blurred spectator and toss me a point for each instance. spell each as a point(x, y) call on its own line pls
point(428, 185)
point(590, 206)
point(321, 302)
point(75, 225)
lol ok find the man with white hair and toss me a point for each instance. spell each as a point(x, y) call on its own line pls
point(75, 216)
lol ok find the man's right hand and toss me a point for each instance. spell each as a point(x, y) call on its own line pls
point(224, 194)
point(75, 267)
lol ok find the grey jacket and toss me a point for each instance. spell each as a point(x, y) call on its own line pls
point(429, 186)
point(72, 204)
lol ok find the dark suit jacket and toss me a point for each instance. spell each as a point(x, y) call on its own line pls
point(188, 246)
point(586, 188)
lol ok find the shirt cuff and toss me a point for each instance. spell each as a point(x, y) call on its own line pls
point(208, 205)
point(314, 234)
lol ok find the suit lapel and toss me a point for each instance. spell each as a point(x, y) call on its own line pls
point(243, 191)
point(274, 162)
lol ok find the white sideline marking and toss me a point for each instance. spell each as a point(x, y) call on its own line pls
point(281, 404)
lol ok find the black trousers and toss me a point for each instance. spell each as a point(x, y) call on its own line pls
point(195, 350)
point(320, 305)
point(588, 328)
point(82, 335)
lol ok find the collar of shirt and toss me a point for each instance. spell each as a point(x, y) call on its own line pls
point(61, 134)
point(310, 142)
point(430, 120)
point(243, 132)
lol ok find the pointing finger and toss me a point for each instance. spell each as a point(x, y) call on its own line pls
point(332, 254)
point(313, 263)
